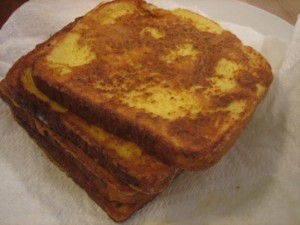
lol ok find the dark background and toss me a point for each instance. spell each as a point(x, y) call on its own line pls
point(7, 7)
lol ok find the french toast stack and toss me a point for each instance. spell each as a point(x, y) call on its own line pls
point(129, 95)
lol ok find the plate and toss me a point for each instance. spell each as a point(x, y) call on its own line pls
point(243, 14)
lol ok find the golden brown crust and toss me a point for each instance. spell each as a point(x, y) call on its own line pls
point(215, 80)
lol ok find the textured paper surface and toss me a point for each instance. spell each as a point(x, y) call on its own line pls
point(257, 182)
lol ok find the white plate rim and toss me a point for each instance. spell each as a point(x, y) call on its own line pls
point(243, 14)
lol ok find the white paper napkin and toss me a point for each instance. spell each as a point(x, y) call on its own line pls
point(256, 183)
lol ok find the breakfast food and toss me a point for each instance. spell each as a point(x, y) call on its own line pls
point(134, 66)
point(129, 95)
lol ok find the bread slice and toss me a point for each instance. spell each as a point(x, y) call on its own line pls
point(63, 153)
point(123, 159)
point(174, 82)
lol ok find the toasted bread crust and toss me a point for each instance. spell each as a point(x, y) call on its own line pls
point(227, 82)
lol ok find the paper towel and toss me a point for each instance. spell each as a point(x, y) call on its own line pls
point(256, 183)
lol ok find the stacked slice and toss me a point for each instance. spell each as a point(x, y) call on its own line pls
point(127, 96)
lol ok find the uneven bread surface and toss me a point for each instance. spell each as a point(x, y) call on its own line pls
point(174, 82)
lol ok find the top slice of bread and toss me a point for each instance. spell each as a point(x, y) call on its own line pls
point(174, 82)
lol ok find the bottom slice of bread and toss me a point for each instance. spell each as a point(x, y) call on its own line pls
point(53, 146)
